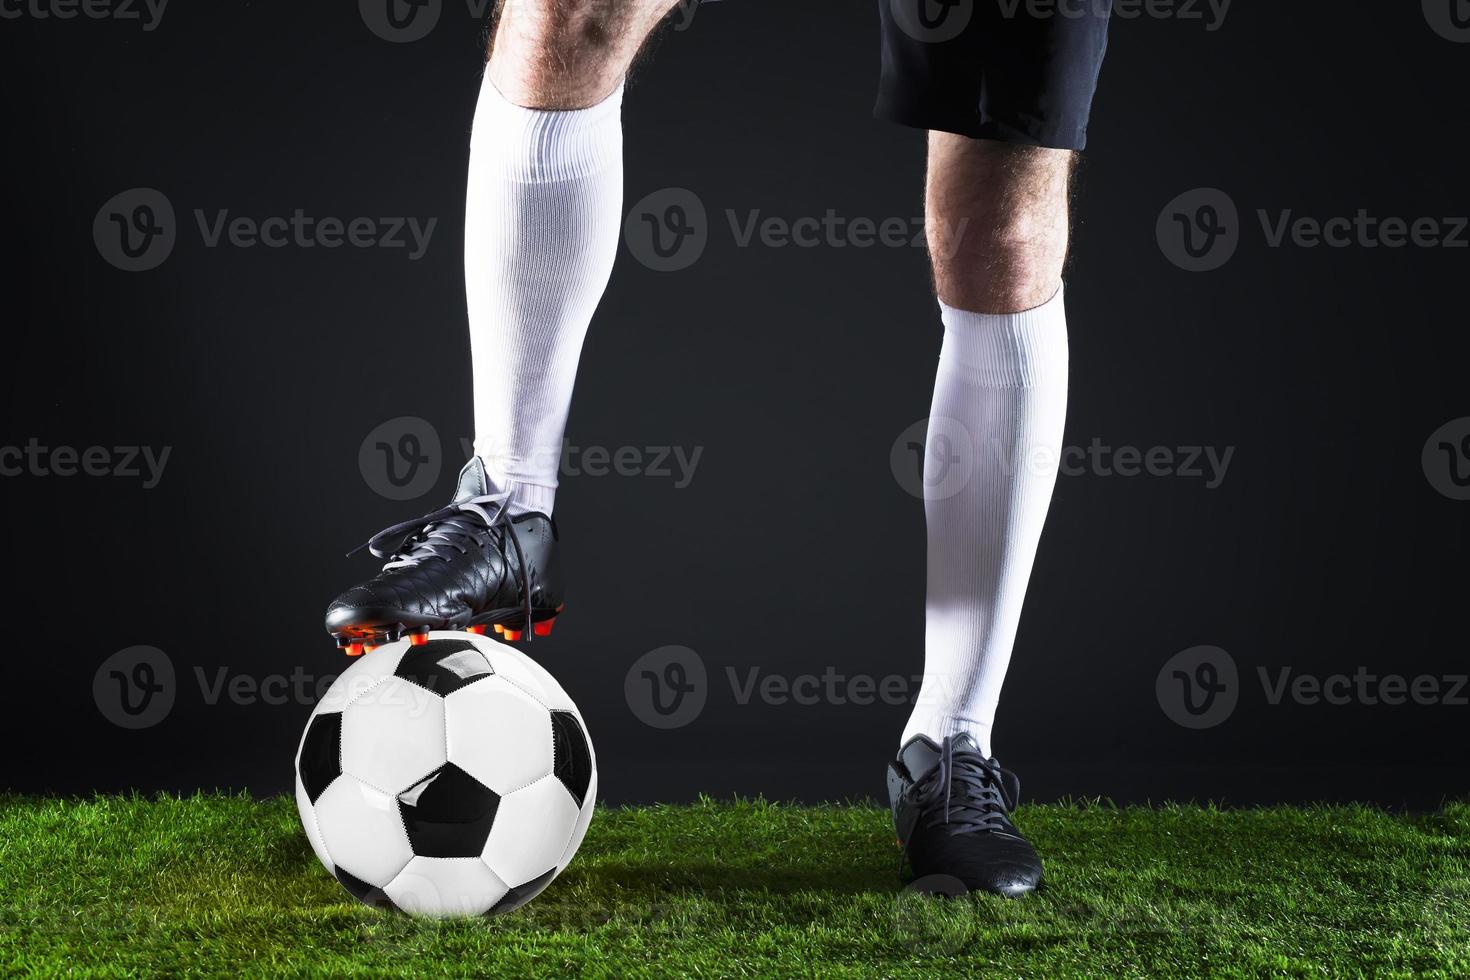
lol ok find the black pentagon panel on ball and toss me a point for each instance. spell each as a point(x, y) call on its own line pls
point(366, 893)
point(571, 755)
point(449, 814)
point(321, 754)
point(521, 894)
point(443, 666)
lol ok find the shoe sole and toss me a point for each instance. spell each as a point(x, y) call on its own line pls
point(507, 624)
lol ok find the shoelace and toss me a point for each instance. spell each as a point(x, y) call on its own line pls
point(968, 785)
point(455, 527)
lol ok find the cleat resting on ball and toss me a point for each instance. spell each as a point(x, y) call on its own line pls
point(470, 565)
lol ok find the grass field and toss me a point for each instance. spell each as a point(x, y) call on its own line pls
point(227, 885)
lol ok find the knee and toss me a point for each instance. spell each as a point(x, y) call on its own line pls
point(998, 223)
point(999, 263)
point(566, 54)
point(572, 29)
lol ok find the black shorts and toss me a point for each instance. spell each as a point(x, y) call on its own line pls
point(1021, 71)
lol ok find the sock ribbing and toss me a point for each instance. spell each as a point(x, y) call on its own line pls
point(1000, 397)
point(542, 225)
point(1007, 350)
point(543, 145)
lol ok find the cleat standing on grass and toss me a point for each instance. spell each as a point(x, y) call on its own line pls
point(470, 565)
point(951, 808)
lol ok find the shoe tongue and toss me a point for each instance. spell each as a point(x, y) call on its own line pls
point(964, 743)
point(473, 481)
point(921, 754)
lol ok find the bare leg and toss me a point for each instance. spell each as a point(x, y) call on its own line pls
point(997, 217)
point(568, 54)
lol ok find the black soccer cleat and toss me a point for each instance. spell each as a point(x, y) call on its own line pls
point(951, 810)
point(468, 566)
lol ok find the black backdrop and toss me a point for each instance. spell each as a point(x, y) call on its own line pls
point(1332, 544)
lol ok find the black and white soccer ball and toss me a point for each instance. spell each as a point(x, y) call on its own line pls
point(453, 777)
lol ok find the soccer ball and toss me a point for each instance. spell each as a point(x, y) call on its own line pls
point(445, 778)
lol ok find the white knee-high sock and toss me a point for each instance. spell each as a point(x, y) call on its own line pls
point(542, 220)
point(1000, 400)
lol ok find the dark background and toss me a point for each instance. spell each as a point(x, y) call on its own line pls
point(1325, 549)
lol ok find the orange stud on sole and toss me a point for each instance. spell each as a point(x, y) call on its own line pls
point(477, 630)
point(543, 628)
point(499, 628)
point(512, 634)
point(418, 639)
point(354, 649)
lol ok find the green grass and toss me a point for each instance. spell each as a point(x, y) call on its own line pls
point(220, 885)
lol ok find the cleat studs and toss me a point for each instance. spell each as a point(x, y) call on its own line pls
point(512, 635)
point(500, 627)
point(354, 649)
point(543, 628)
point(419, 639)
point(477, 630)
